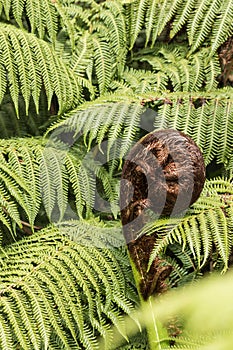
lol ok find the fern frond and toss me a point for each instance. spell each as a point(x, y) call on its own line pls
point(43, 17)
point(197, 16)
point(204, 27)
point(27, 63)
point(195, 113)
point(102, 62)
point(55, 292)
point(182, 14)
point(113, 18)
point(206, 228)
point(136, 12)
point(196, 72)
point(222, 27)
point(83, 55)
point(96, 121)
point(142, 81)
point(95, 232)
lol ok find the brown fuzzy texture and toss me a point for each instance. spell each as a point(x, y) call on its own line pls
point(164, 172)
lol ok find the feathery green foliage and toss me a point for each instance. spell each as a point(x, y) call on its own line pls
point(193, 305)
point(203, 18)
point(206, 229)
point(64, 294)
point(27, 63)
point(80, 83)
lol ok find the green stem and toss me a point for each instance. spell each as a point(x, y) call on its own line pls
point(157, 333)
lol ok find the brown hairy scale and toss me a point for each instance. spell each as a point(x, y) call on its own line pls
point(165, 173)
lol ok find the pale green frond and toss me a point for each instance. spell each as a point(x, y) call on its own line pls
point(197, 16)
point(95, 233)
point(102, 62)
point(114, 20)
point(181, 16)
point(136, 13)
point(204, 28)
point(54, 188)
point(42, 16)
point(96, 121)
point(72, 167)
point(202, 231)
point(186, 74)
point(203, 116)
point(222, 27)
point(157, 16)
point(66, 21)
point(225, 128)
point(142, 81)
point(29, 62)
point(60, 289)
point(5, 220)
point(83, 55)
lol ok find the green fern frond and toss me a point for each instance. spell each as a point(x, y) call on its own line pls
point(102, 62)
point(202, 115)
point(222, 27)
point(206, 228)
point(141, 81)
point(192, 26)
point(42, 17)
point(195, 119)
point(37, 172)
point(204, 19)
point(113, 18)
point(204, 27)
point(196, 72)
point(27, 63)
point(93, 231)
point(50, 295)
point(83, 55)
point(183, 268)
point(181, 16)
point(97, 121)
point(135, 13)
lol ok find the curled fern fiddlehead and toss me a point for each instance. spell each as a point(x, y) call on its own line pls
point(164, 173)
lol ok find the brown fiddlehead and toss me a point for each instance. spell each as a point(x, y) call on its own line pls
point(164, 173)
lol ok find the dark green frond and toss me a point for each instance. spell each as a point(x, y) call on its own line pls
point(196, 72)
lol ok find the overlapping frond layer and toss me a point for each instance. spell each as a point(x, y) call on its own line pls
point(100, 48)
point(116, 120)
point(36, 172)
point(140, 81)
point(207, 119)
point(57, 294)
point(203, 18)
point(174, 71)
point(205, 230)
point(20, 187)
point(28, 65)
point(40, 18)
point(33, 174)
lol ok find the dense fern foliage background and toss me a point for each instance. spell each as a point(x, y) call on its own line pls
point(80, 83)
